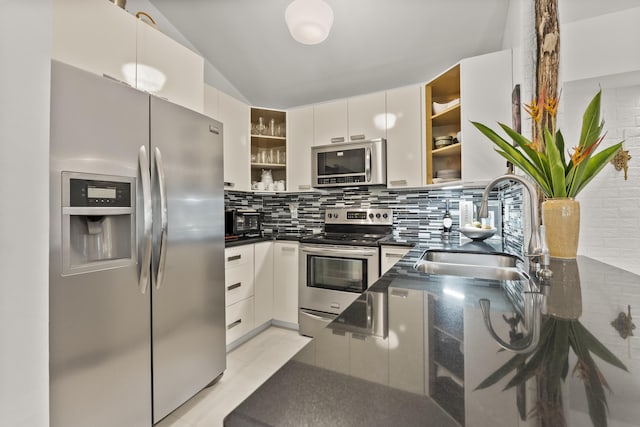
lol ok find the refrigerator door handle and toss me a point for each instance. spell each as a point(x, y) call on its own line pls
point(162, 189)
point(144, 259)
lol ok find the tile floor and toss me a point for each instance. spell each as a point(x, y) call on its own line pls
point(248, 366)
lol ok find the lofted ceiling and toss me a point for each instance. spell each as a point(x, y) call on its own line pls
point(373, 45)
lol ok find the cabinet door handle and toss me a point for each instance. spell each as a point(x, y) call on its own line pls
point(398, 182)
point(401, 294)
point(288, 249)
point(234, 258)
point(359, 337)
point(234, 286)
point(214, 129)
point(337, 139)
point(341, 333)
point(229, 184)
point(392, 255)
point(304, 187)
point(359, 137)
point(234, 324)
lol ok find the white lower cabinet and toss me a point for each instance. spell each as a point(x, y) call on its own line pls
point(239, 287)
point(263, 282)
point(492, 406)
point(239, 319)
point(332, 350)
point(285, 282)
point(406, 332)
point(369, 358)
point(389, 255)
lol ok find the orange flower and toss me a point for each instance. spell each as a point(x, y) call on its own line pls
point(581, 152)
point(534, 110)
point(551, 105)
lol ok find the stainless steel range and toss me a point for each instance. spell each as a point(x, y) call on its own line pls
point(337, 266)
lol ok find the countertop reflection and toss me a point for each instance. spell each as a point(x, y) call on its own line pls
point(413, 349)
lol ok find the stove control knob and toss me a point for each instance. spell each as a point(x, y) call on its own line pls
point(378, 216)
point(329, 215)
point(385, 216)
point(371, 216)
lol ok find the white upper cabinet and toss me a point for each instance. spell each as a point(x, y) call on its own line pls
point(367, 116)
point(94, 35)
point(235, 117)
point(353, 119)
point(100, 37)
point(300, 140)
point(476, 89)
point(330, 122)
point(211, 101)
point(168, 69)
point(485, 96)
point(404, 137)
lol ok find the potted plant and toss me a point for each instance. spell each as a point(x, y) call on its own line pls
point(560, 178)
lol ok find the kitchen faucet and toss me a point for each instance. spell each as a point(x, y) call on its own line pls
point(538, 268)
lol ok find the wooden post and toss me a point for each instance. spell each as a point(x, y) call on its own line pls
point(547, 62)
point(548, 43)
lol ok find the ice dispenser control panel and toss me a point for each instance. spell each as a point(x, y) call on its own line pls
point(94, 193)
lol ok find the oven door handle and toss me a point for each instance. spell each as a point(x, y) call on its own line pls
point(335, 250)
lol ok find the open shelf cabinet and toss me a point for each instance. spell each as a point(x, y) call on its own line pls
point(443, 90)
point(268, 145)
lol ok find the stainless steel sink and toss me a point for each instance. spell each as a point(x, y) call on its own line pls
point(466, 264)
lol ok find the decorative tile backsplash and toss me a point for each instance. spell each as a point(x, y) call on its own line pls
point(417, 214)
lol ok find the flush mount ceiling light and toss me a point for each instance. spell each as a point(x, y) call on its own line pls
point(309, 21)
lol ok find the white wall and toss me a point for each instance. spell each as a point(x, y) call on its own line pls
point(602, 52)
point(25, 52)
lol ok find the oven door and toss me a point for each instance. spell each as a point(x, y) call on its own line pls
point(333, 276)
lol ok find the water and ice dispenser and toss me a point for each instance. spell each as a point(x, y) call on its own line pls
point(98, 222)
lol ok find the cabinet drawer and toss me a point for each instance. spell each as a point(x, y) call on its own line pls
point(238, 282)
point(241, 255)
point(239, 319)
point(389, 255)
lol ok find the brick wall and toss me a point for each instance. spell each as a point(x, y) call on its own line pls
point(610, 206)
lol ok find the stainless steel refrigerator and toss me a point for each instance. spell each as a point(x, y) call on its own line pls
point(137, 322)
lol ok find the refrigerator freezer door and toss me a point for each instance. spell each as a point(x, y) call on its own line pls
point(188, 316)
point(99, 341)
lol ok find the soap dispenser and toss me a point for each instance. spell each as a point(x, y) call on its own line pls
point(447, 223)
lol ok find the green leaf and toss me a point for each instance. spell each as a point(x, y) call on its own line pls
point(596, 399)
point(594, 165)
point(535, 363)
point(596, 347)
point(557, 168)
point(516, 158)
point(559, 351)
point(560, 146)
point(524, 144)
point(513, 363)
point(591, 125)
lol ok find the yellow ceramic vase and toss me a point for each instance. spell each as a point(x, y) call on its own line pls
point(561, 219)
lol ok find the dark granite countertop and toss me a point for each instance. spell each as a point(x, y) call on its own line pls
point(434, 350)
point(266, 238)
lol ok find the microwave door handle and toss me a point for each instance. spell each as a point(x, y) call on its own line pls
point(162, 190)
point(367, 162)
point(144, 260)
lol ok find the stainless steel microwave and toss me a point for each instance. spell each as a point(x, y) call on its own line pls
point(349, 164)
